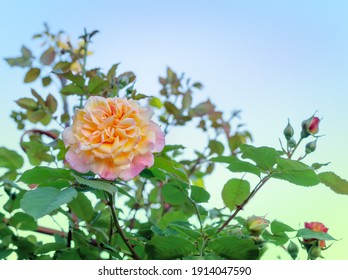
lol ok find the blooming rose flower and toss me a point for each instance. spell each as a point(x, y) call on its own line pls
point(256, 225)
point(317, 227)
point(310, 126)
point(112, 137)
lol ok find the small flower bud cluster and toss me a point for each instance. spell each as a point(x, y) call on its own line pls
point(310, 127)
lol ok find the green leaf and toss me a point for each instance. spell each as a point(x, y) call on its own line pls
point(170, 217)
point(27, 103)
point(234, 248)
point(43, 201)
point(78, 80)
point(195, 235)
point(234, 192)
point(32, 75)
point(112, 72)
point(38, 97)
point(187, 100)
point(96, 184)
point(169, 148)
point(199, 194)
point(277, 227)
point(172, 109)
point(49, 247)
point(36, 116)
point(62, 65)
point(264, 157)
point(216, 147)
point(26, 52)
point(37, 152)
point(72, 89)
point(156, 102)
point(48, 56)
point(280, 238)
point(96, 85)
point(42, 174)
point(237, 165)
point(51, 103)
point(23, 221)
point(334, 182)
point(204, 108)
point(168, 247)
point(173, 194)
point(46, 81)
point(309, 234)
point(10, 159)
point(237, 140)
point(168, 167)
point(82, 207)
point(295, 172)
point(19, 61)
point(317, 166)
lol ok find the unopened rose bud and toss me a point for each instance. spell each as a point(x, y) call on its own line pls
point(291, 143)
point(256, 225)
point(310, 126)
point(288, 131)
point(293, 250)
point(311, 146)
point(314, 252)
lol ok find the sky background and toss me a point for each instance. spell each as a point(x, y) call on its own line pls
point(274, 60)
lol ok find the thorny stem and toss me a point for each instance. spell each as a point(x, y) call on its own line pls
point(119, 229)
point(245, 202)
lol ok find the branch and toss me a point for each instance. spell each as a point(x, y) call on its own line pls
point(245, 202)
point(119, 229)
point(43, 230)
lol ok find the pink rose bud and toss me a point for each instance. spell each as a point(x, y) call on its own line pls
point(113, 138)
point(310, 126)
point(256, 225)
point(317, 227)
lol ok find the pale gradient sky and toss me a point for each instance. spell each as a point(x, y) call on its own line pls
point(273, 59)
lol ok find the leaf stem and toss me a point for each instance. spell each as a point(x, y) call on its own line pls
point(245, 202)
point(293, 151)
point(119, 229)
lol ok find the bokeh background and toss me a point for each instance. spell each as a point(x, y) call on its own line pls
point(274, 60)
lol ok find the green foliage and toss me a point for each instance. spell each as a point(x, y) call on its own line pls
point(199, 194)
point(234, 248)
point(295, 172)
point(308, 234)
point(168, 247)
point(235, 191)
point(43, 201)
point(334, 182)
point(42, 174)
point(264, 157)
point(237, 165)
point(10, 159)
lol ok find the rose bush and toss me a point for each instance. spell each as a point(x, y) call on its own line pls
point(98, 167)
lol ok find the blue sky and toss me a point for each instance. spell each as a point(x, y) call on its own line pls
point(274, 60)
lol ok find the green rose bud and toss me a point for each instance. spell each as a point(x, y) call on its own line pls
point(256, 225)
point(311, 146)
point(293, 250)
point(288, 131)
point(314, 252)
